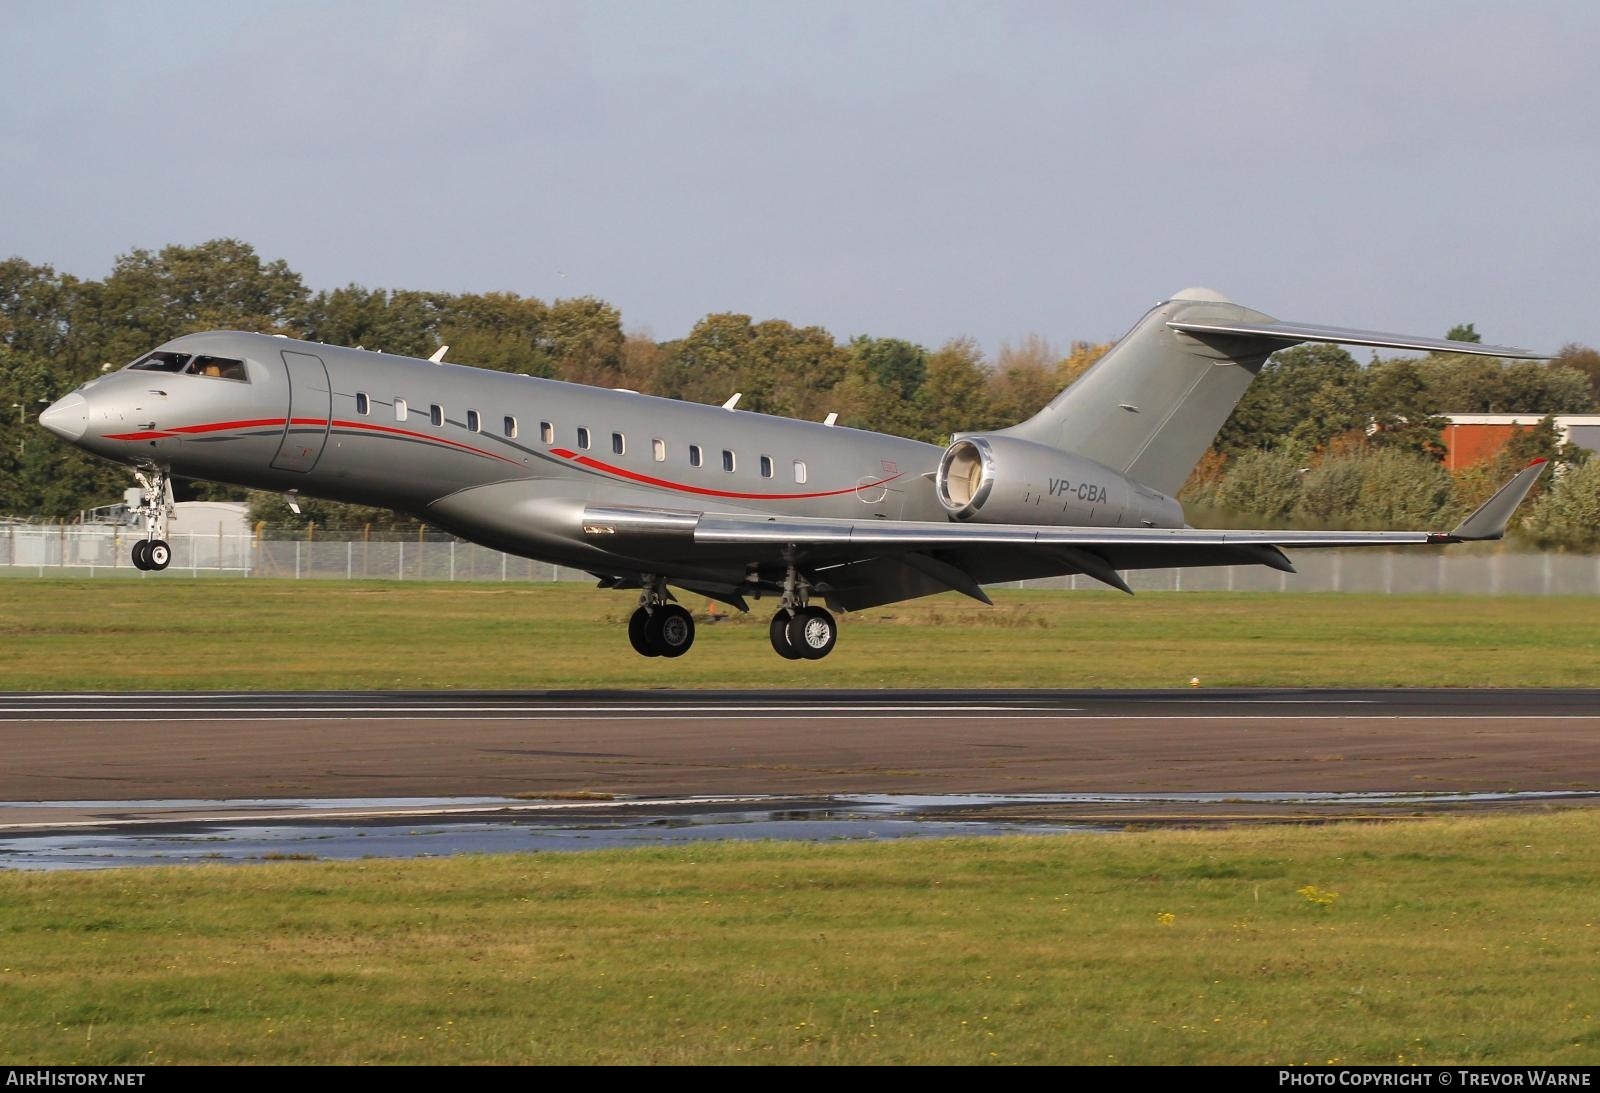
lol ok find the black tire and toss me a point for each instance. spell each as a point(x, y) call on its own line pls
point(157, 555)
point(636, 635)
point(139, 548)
point(779, 633)
point(812, 633)
point(670, 630)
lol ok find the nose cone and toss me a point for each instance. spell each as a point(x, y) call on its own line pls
point(68, 417)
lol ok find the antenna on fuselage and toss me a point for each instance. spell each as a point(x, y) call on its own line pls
point(732, 402)
point(830, 419)
point(438, 354)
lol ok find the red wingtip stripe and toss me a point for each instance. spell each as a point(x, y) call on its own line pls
point(1537, 461)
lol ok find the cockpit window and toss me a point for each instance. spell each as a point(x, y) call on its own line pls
point(219, 368)
point(188, 363)
point(161, 362)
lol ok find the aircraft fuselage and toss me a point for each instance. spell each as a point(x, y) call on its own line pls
point(481, 453)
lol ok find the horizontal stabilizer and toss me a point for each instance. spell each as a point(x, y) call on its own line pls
point(1491, 517)
point(1292, 333)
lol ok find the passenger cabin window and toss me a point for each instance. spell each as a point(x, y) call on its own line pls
point(511, 427)
point(583, 437)
point(218, 368)
point(473, 424)
point(161, 362)
point(363, 406)
point(799, 470)
point(399, 409)
point(766, 466)
point(436, 415)
point(619, 444)
point(658, 448)
point(727, 460)
point(694, 455)
point(547, 432)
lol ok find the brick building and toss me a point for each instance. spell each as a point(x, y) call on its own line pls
point(1477, 438)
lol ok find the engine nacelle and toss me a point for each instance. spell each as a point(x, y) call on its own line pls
point(993, 479)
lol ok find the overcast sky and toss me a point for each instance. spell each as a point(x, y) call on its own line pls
point(920, 170)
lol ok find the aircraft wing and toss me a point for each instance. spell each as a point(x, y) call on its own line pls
point(862, 563)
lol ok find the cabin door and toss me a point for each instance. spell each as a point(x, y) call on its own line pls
point(305, 433)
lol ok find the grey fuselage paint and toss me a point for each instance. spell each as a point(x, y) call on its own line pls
point(522, 494)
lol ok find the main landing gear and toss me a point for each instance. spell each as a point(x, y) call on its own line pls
point(152, 552)
point(659, 628)
point(800, 631)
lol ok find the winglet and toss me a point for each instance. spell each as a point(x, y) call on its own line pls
point(1491, 517)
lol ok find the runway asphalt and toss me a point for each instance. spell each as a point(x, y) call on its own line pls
point(151, 746)
point(769, 704)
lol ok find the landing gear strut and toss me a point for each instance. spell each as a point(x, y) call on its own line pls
point(152, 552)
point(800, 631)
point(659, 628)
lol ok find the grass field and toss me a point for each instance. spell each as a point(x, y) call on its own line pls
point(262, 634)
point(1466, 940)
point(1459, 940)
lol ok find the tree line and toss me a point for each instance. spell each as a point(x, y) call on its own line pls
point(1355, 433)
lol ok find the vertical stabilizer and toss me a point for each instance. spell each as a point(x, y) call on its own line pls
point(1153, 404)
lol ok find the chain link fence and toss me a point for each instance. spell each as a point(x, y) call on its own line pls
point(31, 550)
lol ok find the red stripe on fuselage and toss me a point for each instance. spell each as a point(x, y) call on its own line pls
point(217, 427)
point(278, 423)
point(190, 430)
point(683, 487)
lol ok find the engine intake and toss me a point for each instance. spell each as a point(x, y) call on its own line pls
point(966, 477)
point(997, 479)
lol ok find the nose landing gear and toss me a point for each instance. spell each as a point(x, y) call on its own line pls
point(152, 552)
point(659, 628)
